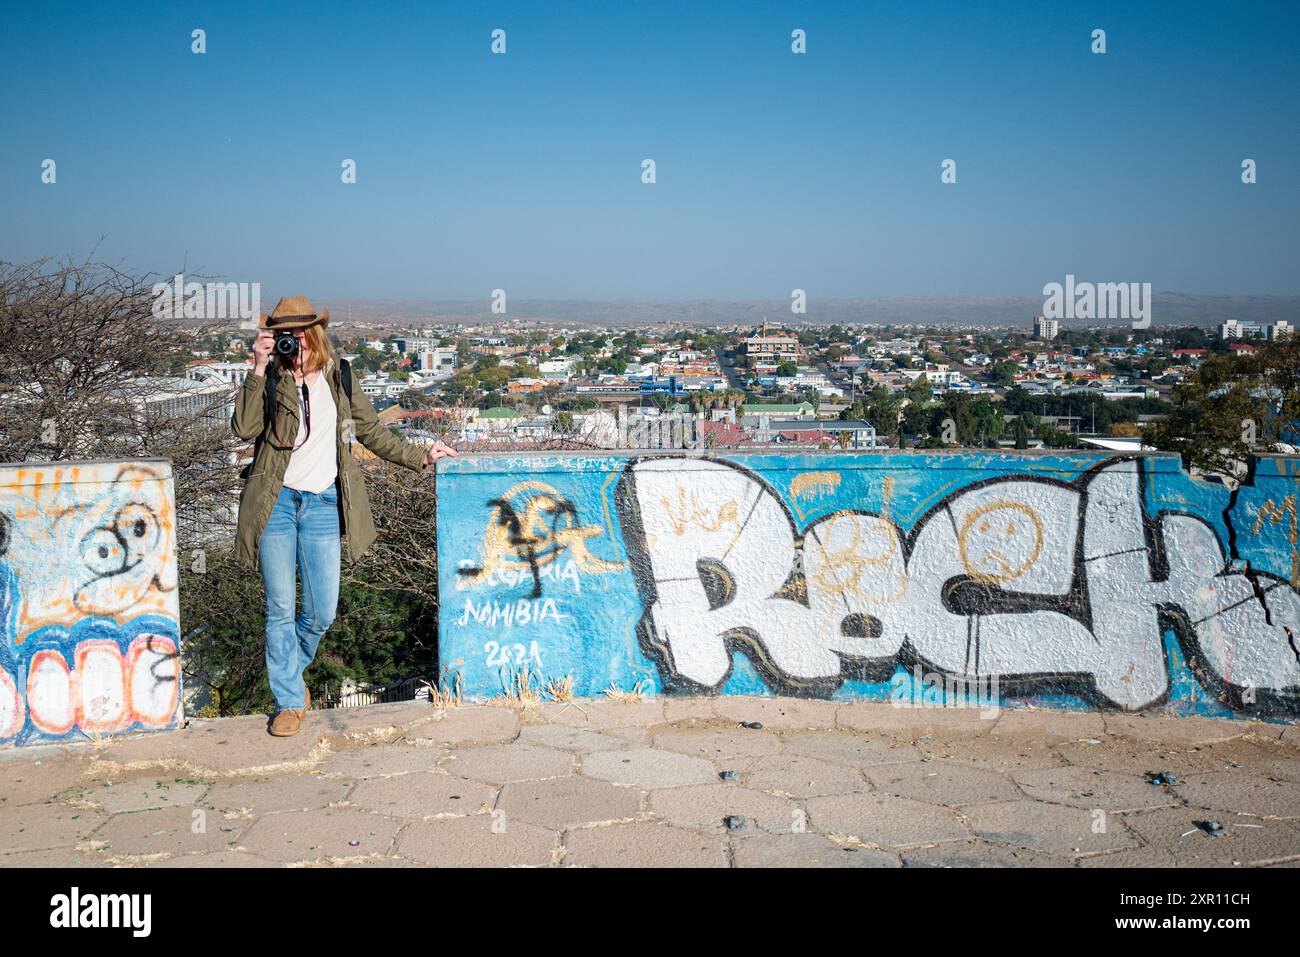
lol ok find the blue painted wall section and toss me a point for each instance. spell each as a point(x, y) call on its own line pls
point(1074, 580)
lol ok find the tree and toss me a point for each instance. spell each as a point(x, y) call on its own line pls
point(1005, 373)
point(1021, 432)
point(81, 348)
point(80, 373)
point(563, 424)
point(1231, 406)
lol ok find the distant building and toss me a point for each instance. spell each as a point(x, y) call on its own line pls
point(851, 434)
point(768, 350)
point(1045, 329)
point(754, 411)
point(438, 361)
point(227, 373)
point(1236, 329)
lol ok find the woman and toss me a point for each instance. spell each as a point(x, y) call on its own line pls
point(304, 490)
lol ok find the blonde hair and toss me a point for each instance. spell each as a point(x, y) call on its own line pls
point(322, 350)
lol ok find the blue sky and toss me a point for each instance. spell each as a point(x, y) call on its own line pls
point(775, 171)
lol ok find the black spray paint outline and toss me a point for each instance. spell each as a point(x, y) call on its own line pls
point(1074, 603)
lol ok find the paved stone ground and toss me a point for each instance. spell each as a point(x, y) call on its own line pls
point(655, 782)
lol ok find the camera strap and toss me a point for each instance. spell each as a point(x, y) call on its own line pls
point(306, 411)
point(271, 386)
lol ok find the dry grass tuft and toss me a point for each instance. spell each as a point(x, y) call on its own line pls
point(637, 693)
point(452, 698)
point(518, 690)
point(560, 689)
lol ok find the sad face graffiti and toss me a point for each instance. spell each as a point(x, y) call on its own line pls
point(1000, 541)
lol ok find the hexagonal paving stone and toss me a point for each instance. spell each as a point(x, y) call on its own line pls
point(680, 707)
point(336, 723)
point(423, 794)
point(855, 748)
point(313, 835)
point(993, 752)
point(568, 739)
point(1247, 840)
point(601, 714)
point(912, 721)
point(172, 830)
point(800, 777)
point(141, 794)
point(715, 741)
point(57, 857)
point(704, 807)
point(568, 802)
point(1049, 725)
point(281, 792)
point(1051, 828)
point(778, 712)
point(936, 782)
point(35, 781)
point(633, 737)
point(33, 827)
point(500, 763)
point(649, 768)
point(979, 854)
point(1093, 788)
point(1176, 730)
point(214, 747)
point(1240, 793)
point(648, 844)
point(1119, 755)
point(883, 820)
point(228, 858)
point(384, 760)
point(1262, 758)
point(480, 840)
point(805, 850)
point(468, 725)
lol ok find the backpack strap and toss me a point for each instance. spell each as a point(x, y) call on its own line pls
point(345, 373)
point(268, 396)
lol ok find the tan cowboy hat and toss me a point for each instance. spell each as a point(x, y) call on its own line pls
point(293, 312)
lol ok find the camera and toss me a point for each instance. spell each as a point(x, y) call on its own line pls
point(286, 343)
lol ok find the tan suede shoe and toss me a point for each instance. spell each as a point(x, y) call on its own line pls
point(286, 723)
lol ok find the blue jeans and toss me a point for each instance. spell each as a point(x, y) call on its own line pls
point(303, 537)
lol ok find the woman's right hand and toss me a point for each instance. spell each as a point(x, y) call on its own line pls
point(261, 351)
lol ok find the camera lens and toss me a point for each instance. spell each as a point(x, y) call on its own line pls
point(286, 343)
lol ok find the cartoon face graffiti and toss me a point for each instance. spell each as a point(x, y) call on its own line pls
point(78, 544)
point(89, 640)
point(1000, 541)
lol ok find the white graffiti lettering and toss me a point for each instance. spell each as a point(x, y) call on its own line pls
point(1019, 577)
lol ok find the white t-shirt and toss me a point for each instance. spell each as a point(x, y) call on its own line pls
point(314, 464)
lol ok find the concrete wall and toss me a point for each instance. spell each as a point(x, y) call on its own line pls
point(1077, 580)
point(89, 619)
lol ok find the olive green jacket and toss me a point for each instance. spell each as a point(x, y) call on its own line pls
point(265, 476)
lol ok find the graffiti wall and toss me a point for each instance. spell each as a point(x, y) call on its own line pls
point(89, 636)
point(1070, 580)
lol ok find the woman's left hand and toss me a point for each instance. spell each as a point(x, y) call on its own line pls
point(437, 451)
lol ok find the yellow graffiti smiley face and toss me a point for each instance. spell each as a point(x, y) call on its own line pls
point(1000, 541)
